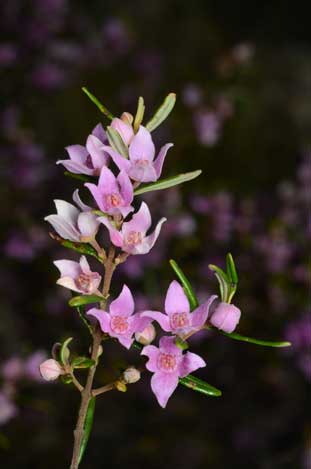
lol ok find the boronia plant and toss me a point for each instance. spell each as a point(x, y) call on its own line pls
point(117, 165)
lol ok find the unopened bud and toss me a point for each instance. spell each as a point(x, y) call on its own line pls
point(120, 386)
point(131, 375)
point(127, 118)
point(50, 370)
point(146, 336)
point(226, 317)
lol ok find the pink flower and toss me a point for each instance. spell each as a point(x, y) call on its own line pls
point(125, 130)
point(120, 322)
point(177, 318)
point(132, 236)
point(72, 224)
point(113, 195)
point(141, 165)
point(50, 369)
point(168, 364)
point(89, 159)
point(226, 317)
point(78, 277)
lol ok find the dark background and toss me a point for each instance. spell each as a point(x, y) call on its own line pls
point(242, 74)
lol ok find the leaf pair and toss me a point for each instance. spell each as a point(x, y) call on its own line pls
point(228, 281)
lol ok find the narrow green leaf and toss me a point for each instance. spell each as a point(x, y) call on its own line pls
point(231, 270)
point(243, 338)
point(186, 285)
point(169, 182)
point(82, 248)
point(84, 300)
point(82, 362)
point(223, 280)
point(200, 386)
point(162, 112)
point(80, 177)
point(87, 427)
point(116, 141)
point(100, 106)
point(64, 352)
point(82, 315)
point(139, 114)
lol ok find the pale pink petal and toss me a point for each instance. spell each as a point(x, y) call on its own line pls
point(76, 168)
point(138, 323)
point(69, 283)
point(126, 188)
point(67, 211)
point(126, 131)
point(119, 160)
point(125, 341)
point(163, 385)
point(176, 300)
point(107, 181)
point(161, 318)
point(103, 318)
point(68, 268)
point(142, 171)
point(99, 132)
point(200, 314)
point(77, 153)
point(125, 210)
point(77, 200)
point(190, 362)
point(226, 317)
point(158, 162)
point(95, 148)
point(167, 345)
point(141, 221)
point(151, 239)
point(63, 228)
point(84, 265)
point(152, 353)
point(115, 236)
point(97, 194)
point(142, 146)
point(87, 224)
point(123, 305)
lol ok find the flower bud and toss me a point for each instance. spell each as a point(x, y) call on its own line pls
point(147, 335)
point(120, 386)
point(226, 317)
point(127, 118)
point(131, 375)
point(50, 370)
point(125, 130)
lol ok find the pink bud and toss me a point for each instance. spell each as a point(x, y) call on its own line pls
point(50, 370)
point(131, 375)
point(226, 317)
point(125, 130)
point(146, 336)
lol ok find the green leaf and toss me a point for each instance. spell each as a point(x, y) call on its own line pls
point(84, 300)
point(100, 106)
point(116, 142)
point(64, 352)
point(243, 338)
point(162, 112)
point(88, 423)
point(80, 177)
point(200, 386)
point(82, 248)
point(66, 379)
point(139, 114)
point(83, 318)
point(82, 362)
point(169, 182)
point(182, 344)
point(231, 270)
point(186, 285)
point(223, 280)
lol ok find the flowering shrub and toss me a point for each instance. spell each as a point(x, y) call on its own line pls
point(126, 146)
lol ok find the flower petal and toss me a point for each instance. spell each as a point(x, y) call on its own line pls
point(161, 318)
point(151, 239)
point(99, 132)
point(87, 224)
point(152, 353)
point(77, 200)
point(97, 194)
point(103, 318)
point(67, 211)
point(141, 221)
point(63, 228)
point(126, 131)
point(119, 160)
point(84, 265)
point(115, 236)
point(163, 385)
point(68, 268)
point(142, 146)
point(167, 345)
point(190, 362)
point(158, 162)
point(76, 168)
point(123, 305)
point(125, 341)
point(126, 188)
point(200, 314)
point(176, 300)
point(69, 283)
point(142, 172)
point(107, 182)
point(77, 153)
point(96, 151)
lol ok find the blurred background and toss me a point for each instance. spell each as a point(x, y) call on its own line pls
point(242, 74)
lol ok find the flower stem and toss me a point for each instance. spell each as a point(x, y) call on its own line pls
point(86, 394)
